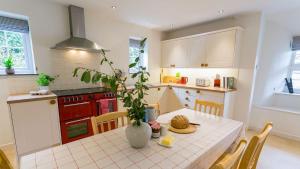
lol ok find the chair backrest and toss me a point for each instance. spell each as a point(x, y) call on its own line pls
point(251, 155)
point(4, 162)
point(156, 107)
point(116, 118)
point(230, 160)
point(209, 107)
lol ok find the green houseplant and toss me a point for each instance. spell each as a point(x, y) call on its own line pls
point(44, 81)
point(9, 63)
point(138, 133)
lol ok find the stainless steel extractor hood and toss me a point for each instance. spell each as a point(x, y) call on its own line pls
point(77, 41)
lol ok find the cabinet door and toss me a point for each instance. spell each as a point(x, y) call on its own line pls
point(220, 49)
point(174, 53)
point(196, 51)
point(36, 125)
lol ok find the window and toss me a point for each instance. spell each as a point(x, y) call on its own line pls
point(15, 42)
point(295, 71)
point(134, 52)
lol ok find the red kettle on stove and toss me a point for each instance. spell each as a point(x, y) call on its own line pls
point(184, 80)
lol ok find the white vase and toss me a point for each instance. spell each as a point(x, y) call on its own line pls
point(46, 88)
point(138, 136)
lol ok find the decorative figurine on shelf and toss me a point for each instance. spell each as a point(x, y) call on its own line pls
point(289, 84)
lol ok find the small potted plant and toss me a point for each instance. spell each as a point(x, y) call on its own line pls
point(44, 81)
point(9, 63)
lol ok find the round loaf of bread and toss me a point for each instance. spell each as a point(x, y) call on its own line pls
point(180, 122)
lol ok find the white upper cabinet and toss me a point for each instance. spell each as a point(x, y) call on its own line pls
point(196, 51)
point(217, 49)
point(220, 49)
point(176, 53)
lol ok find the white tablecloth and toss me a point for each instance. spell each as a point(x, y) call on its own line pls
point(111, 149)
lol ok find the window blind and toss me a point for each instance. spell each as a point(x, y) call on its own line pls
point(296, 43)
point(15, 25)
point(134, 43)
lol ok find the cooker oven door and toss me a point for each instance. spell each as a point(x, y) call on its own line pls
point(77, 129)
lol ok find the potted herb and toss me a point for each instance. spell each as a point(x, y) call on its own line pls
point(138, 133)
point(9, 63)
point(44, 81)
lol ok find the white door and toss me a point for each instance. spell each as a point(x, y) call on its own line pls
point(174, 53)
point(220, 49)
point(196, 51)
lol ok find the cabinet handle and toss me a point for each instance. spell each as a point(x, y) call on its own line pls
point(186, 98)
point(202, 65)
point(158, 89)
point(198, 91)
point(173, 65)
point(52, 101)
point(206, 65)
point(186, 105)
point(187, 92)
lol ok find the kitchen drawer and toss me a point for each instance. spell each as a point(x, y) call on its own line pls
point(210, 96)
point(76, 110)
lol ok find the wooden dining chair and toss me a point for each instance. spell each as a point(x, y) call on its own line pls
point(110, 119)
point(229, 161)
point(209, 107)
point(253, 150)
point(4, 162)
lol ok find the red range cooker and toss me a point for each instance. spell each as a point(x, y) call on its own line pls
point(77, 106)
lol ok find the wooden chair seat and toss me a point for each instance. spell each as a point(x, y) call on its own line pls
point(231, 160)
point(4, 162)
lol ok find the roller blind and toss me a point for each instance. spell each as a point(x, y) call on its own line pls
point(296, 43)
point(134, 43)
point(15, 25)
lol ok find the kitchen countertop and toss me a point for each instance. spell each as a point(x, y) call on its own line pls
point(190, 86)
point(28, 97)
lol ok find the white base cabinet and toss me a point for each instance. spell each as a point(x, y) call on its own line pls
point(35, 124)
point(174, 98)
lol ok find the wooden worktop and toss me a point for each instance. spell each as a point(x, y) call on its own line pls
point(189, 86)
point(28, 97)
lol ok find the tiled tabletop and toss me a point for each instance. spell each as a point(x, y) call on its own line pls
point(111, 150)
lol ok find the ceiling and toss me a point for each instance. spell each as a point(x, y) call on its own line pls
point(171, 14)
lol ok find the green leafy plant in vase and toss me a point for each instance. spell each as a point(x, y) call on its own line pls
point(44, 81)
point(9, 63)
point(138, 133)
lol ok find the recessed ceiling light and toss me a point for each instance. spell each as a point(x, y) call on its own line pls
point(221, 11)
point(113, 7)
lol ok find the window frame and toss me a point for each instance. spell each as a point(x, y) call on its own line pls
point(294, 67)
point(144, 59)
point(29, 59)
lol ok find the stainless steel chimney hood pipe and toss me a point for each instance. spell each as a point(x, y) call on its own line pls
point(77, 41)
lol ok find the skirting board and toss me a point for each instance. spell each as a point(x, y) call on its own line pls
point(277, 133)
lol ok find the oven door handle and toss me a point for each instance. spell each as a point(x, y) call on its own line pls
point(78, 120)
point(76, 104)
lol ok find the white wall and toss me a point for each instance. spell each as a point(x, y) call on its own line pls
point(281, 109)
point(49, 24)
point(249, 53)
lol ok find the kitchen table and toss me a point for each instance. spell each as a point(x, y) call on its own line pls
point(111, 150)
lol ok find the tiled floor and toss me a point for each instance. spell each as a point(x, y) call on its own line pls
point(278, 153)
